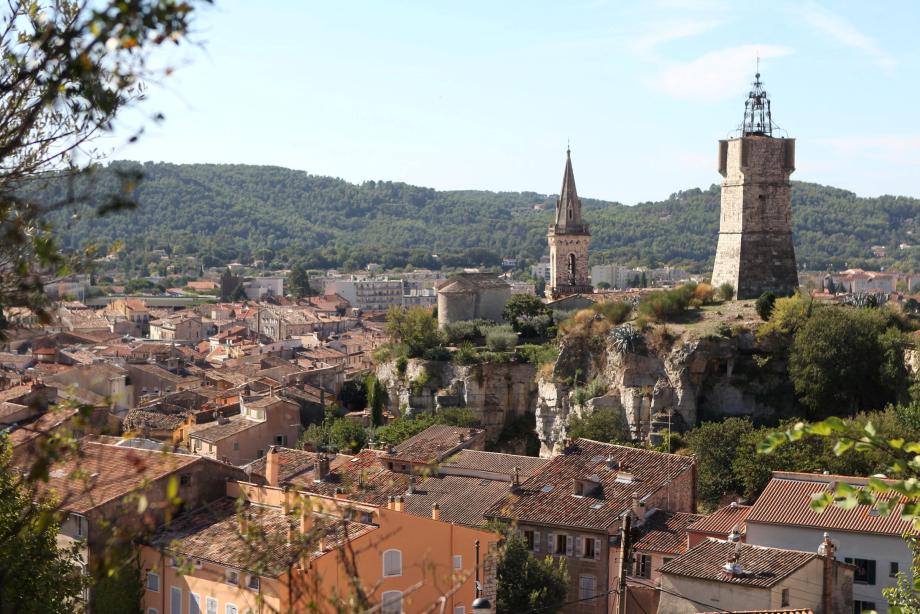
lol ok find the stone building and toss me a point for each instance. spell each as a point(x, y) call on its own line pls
point(755, 253)
point(472, 296)
point(568, 240)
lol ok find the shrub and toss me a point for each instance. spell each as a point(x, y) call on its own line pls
point(660, 339)
point(585, 323)
point(764, 305)
point(416, 328)
point(605, 424)
point(727, 291)
point(402, 363)
point(704, 293)
point(537, 354)
point(536, 326)
point(501, 338)
point(417, 386)
point(594, 388)
point(625, 339)
point(466, 355)
point(522, 306)
point(465, 330)
point(404, 427)
point(615, 312)
point(666, 305)
point(789, 314)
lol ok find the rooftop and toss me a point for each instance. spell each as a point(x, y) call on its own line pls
point(213, 434)
point(665, 532)
point(212, 533)
point(494, 462)
point(761, 567)
point(470, 282)
point(548, 497)
point(787, 501)
point(723, 520)
point(432, 444)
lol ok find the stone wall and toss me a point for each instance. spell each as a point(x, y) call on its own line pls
point(496, 392)
point(560, 246)
point(755, 252)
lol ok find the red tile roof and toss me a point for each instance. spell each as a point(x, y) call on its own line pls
point(432, 444)
point(787, 501)
point(548, 498)
point(761, 566)
point(723, 520)
point(665, 532)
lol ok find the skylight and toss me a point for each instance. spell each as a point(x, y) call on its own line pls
point(547, 488)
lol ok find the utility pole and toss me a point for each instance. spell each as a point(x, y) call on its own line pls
point(625, 547)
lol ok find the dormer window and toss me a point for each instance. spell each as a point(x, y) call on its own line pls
point(585, 488)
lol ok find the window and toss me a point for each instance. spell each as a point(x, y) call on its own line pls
point(391, 602)
point(529, 539)
point(865, 570)
point(862, 606)
point(392, 564)
point(643, 566)
point(458, 561)
point(253, 583)
point(785, 598)
point(587, 586)
point(893, 569)
point(280, 440)
point(459, 610)
point(589, 548)
point(233, 577)
point(79, 520)
point(236, 445)
point(185, 479)
point(152, 611)
point(194, 603)
point(260, 453)
point(175, 600)
point(230, 609)
point(562, 543)
point(153, 582)
point(211, 605)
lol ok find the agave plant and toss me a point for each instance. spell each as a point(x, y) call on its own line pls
point(865, 299)
point(625, 339)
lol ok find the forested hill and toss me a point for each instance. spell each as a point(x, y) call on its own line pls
point(236, 212)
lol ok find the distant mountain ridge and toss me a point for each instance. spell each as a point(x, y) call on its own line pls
point(238, 212)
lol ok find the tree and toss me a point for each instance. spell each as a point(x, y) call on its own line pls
point(764, 305)
point(376, 398)
point(844, 359)
point(415, 328)
point(715, 445)
point(831, 286)
point(69, 68)
point(35, 574)
point(299, 281)
point(526, 583)
point(522, 306)
point(603, 286)
point(644, 280)
point(604, 424)
point(727, 291)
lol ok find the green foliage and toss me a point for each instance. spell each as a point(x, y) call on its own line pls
point(764, 305)
point(537, 354)
point(715, 445)
point(520, 306)
point(844, 359)
point(594, 388)
point(615, 312)
point(402, 428)
point(417, 385)
point(666, 305)
point(416, 328)
point(526, 583)
point(500, 338)
point(466, 355)
point(727, 291)
point(789, 314)
point(335, 433)
point(626, 339)
point(299, 281)
point(605, 424)
point(402, 363)
point(35, 574)
point(517, 432)
point(376, 398)
point(121, 591)
point(464, 330)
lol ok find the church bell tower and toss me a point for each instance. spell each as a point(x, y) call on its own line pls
point(755, 253)
point(568, 241)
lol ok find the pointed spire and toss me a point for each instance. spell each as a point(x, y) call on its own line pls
point(568, 207)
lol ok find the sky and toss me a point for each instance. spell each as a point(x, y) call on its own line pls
point(487, 95)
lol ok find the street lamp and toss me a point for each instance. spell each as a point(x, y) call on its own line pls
point(481, 605)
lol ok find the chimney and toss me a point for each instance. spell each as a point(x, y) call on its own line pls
point(320, 468)
point(272, 466)
point(460, 438)
point(391, 502)
point(516, 480)
point(435, 511)
point(411, 489)
point(732, 568)
point(612, 464)
point(735, 535)
point(400, 503)
point(339, 493)
point(638, 507)
point(244, 523)
point(306, 521)
point(826, 550)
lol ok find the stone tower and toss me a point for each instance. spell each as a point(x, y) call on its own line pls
point(568, 240)
point(755, 252)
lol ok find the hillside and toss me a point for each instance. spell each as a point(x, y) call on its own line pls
point(236, 212)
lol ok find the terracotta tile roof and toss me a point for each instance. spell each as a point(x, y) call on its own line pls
point(212, 533)
point(548, 497)
point(432, 444)
point(363, 477)
point(665, 532)
point(723, 520)
point(786, 501)
point(494, 462)
point(295, 464)
point(213, 434)
point(104, 472)
point(41, 427)
point(782, 611)
point(462, 500)
point(139, 419)
point(761, 566)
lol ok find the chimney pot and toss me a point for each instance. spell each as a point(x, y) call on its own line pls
point(435, 512)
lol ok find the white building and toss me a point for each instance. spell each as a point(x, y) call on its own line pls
point(542, 270)
point(782, 518)
point(259, 288)
point(619, 277)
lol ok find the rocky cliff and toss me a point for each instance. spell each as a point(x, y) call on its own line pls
point(665, 380)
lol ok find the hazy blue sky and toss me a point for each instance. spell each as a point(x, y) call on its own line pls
point(484, 95)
